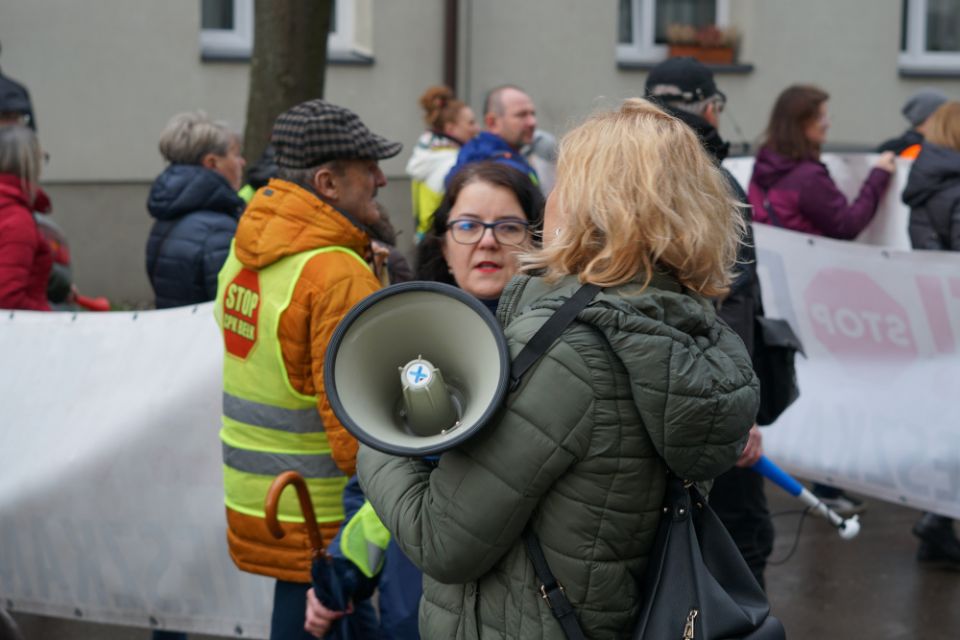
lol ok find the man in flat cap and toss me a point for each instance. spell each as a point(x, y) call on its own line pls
point(297, 265)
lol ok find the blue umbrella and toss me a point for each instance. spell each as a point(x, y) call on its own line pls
point(336, 581)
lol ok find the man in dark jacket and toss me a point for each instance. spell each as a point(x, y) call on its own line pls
point(510, 120)
point(917, 110)
point(686, 89)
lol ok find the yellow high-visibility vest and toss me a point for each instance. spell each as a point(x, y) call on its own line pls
point(267, 426)
point(364, 540)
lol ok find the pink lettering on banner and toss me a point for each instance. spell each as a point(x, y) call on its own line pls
point(856, 319)
point(931, 293)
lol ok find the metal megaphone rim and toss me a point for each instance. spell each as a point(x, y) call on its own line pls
point(373, 299)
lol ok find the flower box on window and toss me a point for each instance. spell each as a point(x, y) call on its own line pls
point(709, 45)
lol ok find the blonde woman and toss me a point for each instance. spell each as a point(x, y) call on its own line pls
point(933, 195)
point(646, 379)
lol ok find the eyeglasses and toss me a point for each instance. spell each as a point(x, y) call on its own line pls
point(466, 231)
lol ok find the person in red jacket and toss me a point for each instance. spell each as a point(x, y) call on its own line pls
point(25, 257)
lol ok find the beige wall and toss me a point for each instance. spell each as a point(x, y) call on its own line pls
point(106, 75)
point(563, 52)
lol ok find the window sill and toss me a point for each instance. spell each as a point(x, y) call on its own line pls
point(928, 72)
point(345, 58)
point(741, 68)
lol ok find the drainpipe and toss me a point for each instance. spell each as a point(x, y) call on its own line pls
point(450, 20)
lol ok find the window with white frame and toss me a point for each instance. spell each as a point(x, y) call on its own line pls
point(930, 35)
point(642, 24)
point(226, 29)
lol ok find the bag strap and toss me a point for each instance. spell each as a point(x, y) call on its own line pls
point(550, 588)
point(549, 332)
point(774, 218)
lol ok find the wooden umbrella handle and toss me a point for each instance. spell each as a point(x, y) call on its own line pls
point(306, 507)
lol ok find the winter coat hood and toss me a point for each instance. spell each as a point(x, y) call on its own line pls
point(284, 219)
point(186, 188)
point(934, 170)
point(770, 167)
point(432, 158)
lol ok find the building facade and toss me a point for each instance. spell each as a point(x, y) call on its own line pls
point(106, 75)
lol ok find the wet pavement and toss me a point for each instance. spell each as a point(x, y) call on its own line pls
point(868, 588)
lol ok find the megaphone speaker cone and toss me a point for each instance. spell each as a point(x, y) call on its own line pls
point(452, 359)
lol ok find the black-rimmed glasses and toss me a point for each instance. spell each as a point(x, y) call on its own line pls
point(508, 231)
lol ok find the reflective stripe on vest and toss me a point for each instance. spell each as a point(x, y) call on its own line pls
point(364, 541)
point(268, 426)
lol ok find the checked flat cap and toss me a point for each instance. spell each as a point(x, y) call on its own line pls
point(316, 131)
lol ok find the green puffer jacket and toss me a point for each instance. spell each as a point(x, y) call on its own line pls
point(644, 379)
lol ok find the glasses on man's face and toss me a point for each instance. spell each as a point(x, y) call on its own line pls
point(508, 231)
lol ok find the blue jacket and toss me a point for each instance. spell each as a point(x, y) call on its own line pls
point(196, 213)
point(489, 146)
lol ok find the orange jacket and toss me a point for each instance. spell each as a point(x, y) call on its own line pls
point(284, 219)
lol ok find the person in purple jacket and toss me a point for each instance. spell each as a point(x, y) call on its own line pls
point(791, 188)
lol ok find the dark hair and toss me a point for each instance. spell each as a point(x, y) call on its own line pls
point(440, 107)
point(793, 111)
point(430, 262)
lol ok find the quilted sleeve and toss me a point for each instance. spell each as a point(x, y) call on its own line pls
point(350, 284)
point(457, 520)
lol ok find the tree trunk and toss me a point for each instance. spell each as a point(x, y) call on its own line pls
point(287, 65)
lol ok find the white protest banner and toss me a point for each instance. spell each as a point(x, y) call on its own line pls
point(889, 226)
point(879, 385)
point(111, 503)
point(111, 498)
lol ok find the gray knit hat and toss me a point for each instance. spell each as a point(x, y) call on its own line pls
point(922, 104)
point(316, 131)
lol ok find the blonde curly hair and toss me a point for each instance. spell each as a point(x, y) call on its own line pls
point(636, 192)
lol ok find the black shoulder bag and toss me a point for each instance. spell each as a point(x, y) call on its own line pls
point(697, 584)
point(775, 346)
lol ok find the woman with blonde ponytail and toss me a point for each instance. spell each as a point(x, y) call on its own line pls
point(645, 379)
point(450, 123)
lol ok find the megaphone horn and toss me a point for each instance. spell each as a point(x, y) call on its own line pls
point(416, 368)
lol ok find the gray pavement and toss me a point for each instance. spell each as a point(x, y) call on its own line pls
point(870, 587)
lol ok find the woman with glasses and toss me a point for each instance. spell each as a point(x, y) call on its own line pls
point(25, 256)
point(645, 379)
point(486, 218)
point(791, 188)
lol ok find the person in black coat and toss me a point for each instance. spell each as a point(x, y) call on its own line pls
point(917, 110)
point(196, 207)
point(685, 88)
point(933, 195)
